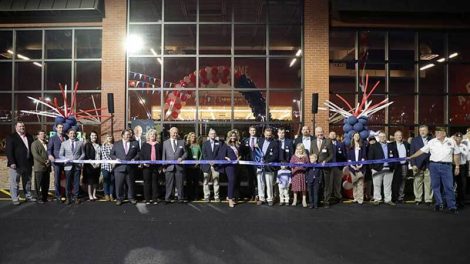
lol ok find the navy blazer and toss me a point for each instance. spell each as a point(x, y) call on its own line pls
point(351, 156)
point(247, 152)
point(393, 153)
point(271, 155)
point(286, 154)
point(118, 152)
point(422, 161)
point(228, 152)
point(53, 147)
point(339, 151)
point(208, 154)
point(376, 152)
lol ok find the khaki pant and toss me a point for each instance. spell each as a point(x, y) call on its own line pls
point(358, 186)
point(214, 176)
point(422, 178)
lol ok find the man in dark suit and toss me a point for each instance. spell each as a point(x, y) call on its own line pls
point(72, 149)
point(399, 149)
point(125, 149)
point(339, 155)
point(305, 138)
point(42, 166)
point(382, 173)
point(286, 146)
point(53, 148)
point(286, 150)
point(323, 148)
point(174, 149)
point(265, 174)
point(20, 162)
point(247, 149)
point(420, 166)
point(211, 150)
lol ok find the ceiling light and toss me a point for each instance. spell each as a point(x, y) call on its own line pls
point(23, 57)
point(441, 60)
point(299, 52)
point(455, 54)
point(292, 62)
point(427, 66)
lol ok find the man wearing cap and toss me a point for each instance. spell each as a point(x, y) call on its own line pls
point(443, 151)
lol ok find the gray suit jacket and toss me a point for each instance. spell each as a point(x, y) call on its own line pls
point(65, 152)
point(169, 154)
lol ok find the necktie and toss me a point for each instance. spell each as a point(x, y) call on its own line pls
point(126, 148)
point(319, 144)
point(73, 145)
point(61, 138)
point(212, 145)
point(252, 143)
point(173, 145)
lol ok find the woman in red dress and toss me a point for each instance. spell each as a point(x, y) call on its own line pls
point(298, 174)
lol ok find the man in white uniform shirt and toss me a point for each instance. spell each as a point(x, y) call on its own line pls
point(443, 151)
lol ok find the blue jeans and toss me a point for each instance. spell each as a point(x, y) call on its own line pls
point(441, 175)
point(108, 182)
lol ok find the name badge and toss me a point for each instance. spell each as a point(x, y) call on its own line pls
point(323, 150)
point(287, 150)
point(270, 153)
point(180, 147)
point(216, 143)
point(194, 157)
point(391, 155)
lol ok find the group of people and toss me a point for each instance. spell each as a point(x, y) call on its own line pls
point(435, 163)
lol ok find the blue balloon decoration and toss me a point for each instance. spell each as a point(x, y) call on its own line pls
point(66, 127)
point(347, 141)
point(352, 120)
point(347, 128)
point(358, 127)
point(350, 134)
point(73, 120)
point(76, 127)
point(364, 134)
point(59, 120)
point(362, 120)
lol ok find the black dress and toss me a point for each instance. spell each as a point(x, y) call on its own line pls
point(91, 175)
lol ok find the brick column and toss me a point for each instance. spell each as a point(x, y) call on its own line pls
point(316, 59)
point(114, 63)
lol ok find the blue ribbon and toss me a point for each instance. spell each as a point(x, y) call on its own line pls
point(233, 162)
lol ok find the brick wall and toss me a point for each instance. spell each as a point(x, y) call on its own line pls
point(114, 63)
point(316, 59)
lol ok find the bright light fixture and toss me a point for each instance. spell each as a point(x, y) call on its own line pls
point(427, 66)
point(441, 60)
point(299, 52)
point(292, 62)
point(134, 43)
point(455, 54)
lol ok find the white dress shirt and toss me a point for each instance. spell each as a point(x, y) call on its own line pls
point(441, 151)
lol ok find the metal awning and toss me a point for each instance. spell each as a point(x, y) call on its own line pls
point(40, 11)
